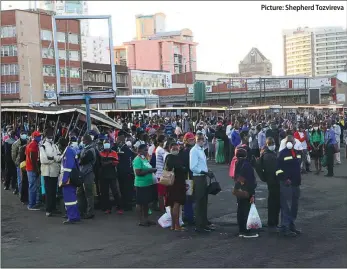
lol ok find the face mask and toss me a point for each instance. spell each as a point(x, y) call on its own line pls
point(272, 148)
point(289, 145)
point(92, 137)
point(200, 143)
point(23, 137)
point(107, 146)
point(49, 140)
point(315, 128)
point(250, 140)
point(37, 139)
point(174, 152)
point(82, 145)
point(74, 144)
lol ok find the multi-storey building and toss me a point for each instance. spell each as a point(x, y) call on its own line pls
point(27, 56)
point(255, 64)
point(315, 51)
point(71, 8)
point(330, 50)
point(98, 50)
point(120, 55)
point(148, 25)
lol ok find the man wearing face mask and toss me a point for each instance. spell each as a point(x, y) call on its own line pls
point(50, 169)
point(11, 171)
point(22, 141)
point(289, 176)
point(268, 162)
point(253, 140)
point(198, 165)
point(274, 133)
point(33, 171)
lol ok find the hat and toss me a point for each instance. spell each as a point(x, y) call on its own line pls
point(188, 136)
point(36, 134)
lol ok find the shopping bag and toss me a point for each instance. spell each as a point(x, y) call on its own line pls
point(308, 158)
point(165, 220)
point(253, 221)
point(324, 161)
point(189, 186)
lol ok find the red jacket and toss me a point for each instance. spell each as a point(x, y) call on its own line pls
point(297, 136)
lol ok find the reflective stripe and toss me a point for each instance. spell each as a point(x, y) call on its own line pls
point(71, 203)
point(67, 170)
point(288, 158)
point(298, 156)
point(279, 172)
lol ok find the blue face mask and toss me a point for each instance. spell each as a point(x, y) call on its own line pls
point(23, 136)
point(107, 146)
point(37, 139)
point(82, 145)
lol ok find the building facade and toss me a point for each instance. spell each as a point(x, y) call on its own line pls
point(98, 50)
point(149, 25)
point(174, 52)
point(120, 55)
point(27, 56)
point(315, 51)
point(97, 77)
point(255, 64)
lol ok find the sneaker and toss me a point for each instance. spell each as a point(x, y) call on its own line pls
point(34, 208)
point(212, 227)
point(120, 212)
point(327, 175)
point(288, 233)
point(107, 212)
point(296, 231)
point(48, 214)
point(204, 230)
point(250, 235)
point(149, 212)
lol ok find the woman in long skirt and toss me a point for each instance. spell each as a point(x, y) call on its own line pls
point(220, 151)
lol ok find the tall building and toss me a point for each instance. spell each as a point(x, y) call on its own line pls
point(255, 64)
point(27, 56)
point(166, 51)
point(315, 51)
point(98, 50)
point(148, 25)
point(70, 8)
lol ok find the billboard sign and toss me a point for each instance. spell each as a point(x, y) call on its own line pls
point(237, 84)
point(147, 80)
point(50, 95)
point(255, 84)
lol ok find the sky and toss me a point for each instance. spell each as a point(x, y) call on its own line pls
point(224, 30)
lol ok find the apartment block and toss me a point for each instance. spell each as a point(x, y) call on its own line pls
point(28, 58)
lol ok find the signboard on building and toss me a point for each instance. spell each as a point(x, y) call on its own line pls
point(150, 80)
point(191, 89)
point(50, 95)
point(237, 84)
point(319, 82)
point(257, 84)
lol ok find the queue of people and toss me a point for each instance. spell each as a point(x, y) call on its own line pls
point(84, 173)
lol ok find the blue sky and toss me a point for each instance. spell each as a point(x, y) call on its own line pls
point(225, 30)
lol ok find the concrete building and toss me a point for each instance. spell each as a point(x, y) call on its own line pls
point(148, 25)
point(120, 55)
point(70, 8)
point(255, 64)
point(98, 50)
point(27, 56)
point(315, 51)
point(174, 52)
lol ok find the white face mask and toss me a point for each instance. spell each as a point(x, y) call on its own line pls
point(74, 144)
point(315, 128)
point(289, 145)
point(250, 139)
point(107, 146)
point(92, 137)
point(272, 148)
point(174, 152)
point(49, 140)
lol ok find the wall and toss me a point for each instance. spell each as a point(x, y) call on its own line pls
point(25, 21)
point(144, 55)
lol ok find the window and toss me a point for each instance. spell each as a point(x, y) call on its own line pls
point(122, 78)
point(74, 55)
point(49, 70)
point(73, 39)
point(46, 35)
point(9, 69)
point(10, 88)
point(47, 53)
point(62, 72)
point(75, 73)
point(48, 87)
point(62, 54)
point(75, 88)
point(7, 51)
point(61, 37)
point(8, 31)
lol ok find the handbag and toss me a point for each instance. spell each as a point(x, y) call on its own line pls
point(189, 186)
point(214, 187)
point(76, 176)
point(168, 177)
point(336, 148)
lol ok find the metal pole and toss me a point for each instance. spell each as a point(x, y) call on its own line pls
point(56, 54)
point(29, 71)
point(77, 119)
point(185, 81)
point(259, 91)
point(56, 127)
point(68, 128)
point(44, 126)
point(231, 83)
point(113, 68)
point(88, 120)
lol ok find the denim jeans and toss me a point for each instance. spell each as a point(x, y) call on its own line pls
point(289, 196)
point(19, 180)
point(33, 179)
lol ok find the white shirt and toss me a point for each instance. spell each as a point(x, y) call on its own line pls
point(150, 150)
point(303, 143)
point(228, 131)
point(160, 157)
point(337, 130)
point(197, 160)
point(297, 145)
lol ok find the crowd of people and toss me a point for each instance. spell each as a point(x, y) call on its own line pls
point(123, 169)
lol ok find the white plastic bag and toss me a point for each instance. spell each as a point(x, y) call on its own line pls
point(165, 220)
point(308, 158)
point(189, 187)
point(253, 221)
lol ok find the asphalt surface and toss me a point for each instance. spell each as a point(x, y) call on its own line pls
point(29, 239)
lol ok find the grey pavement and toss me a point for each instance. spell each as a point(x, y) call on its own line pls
point(29, 239)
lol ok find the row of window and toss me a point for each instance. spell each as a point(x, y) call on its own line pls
point(7, 51)
point(104, 77)
point(49, 71)
point(331, 58)
point(331, 48)
point(331, 34)
point(9, 69)
point(331, 67)
point(10, 88)
point(331, 38)
point(74, 55)
point(331, 62)
point(8, 31)
point(331, 43)
point(70, 87)
point(332, 53)
point(61, 37)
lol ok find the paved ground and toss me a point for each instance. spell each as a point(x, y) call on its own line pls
point(29, 239)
